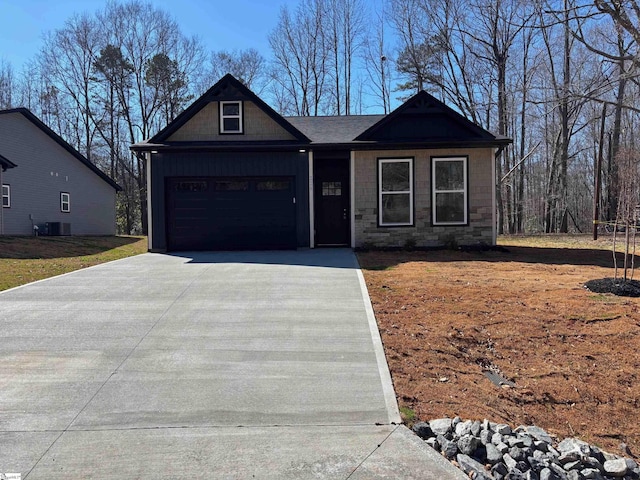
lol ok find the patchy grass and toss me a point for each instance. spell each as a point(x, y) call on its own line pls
point(523, 313)
point(27, 259)
point(408, 416)
point(564, 241)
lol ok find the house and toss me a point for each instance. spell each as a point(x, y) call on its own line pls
point(231, 173)
point(5, 164)
point(54, 185)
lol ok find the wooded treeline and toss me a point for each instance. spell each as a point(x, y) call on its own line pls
point(558, 77)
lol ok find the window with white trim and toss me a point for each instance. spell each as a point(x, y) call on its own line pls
point(395, 192)
point(6, 196)
point(449, 190)
point(230, 117)
point(65, 202)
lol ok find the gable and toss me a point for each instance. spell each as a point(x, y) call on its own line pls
point(200, 122)
point(424, 119)
point(19, 130)
point(205, 126)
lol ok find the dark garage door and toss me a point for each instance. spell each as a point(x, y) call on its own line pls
point(239, 213)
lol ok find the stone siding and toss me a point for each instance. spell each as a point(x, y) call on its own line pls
point(422, 233)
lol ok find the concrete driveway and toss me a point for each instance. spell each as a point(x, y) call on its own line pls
point(209, 365)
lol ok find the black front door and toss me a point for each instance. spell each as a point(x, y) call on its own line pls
point(331, 200)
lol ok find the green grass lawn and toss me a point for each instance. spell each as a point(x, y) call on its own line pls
point(26, 259)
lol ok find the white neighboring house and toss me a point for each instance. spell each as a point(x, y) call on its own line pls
point(53, 183)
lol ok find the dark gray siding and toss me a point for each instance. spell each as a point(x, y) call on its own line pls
point(44, 170)
point(228, 164)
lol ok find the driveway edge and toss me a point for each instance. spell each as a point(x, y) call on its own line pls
point(383, 368)
point(68, 273)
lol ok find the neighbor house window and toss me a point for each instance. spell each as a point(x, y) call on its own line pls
point(449, 187)
point(6, 196)
point(65, 202)
point(395, 192)
point(230, 117)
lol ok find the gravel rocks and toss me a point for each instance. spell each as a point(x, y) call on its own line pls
point(491, 451)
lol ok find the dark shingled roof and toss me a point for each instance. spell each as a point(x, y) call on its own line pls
point(5, 163)
point(334, 130)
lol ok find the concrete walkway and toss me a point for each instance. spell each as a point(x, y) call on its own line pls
point(211, 365)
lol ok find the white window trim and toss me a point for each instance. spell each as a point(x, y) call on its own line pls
point(382, 161)
point(63, 202)
point(239, 117)
point(464, 190)
point(6, 195)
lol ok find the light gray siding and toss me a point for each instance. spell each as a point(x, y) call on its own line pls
point(44, 170)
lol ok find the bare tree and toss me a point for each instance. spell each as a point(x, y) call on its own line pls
point(67, 57)
point(378, 64)
point(300, 57)
point(7, 84)
point(248, 66)
point(345, 26)
point(161, 62)
point(628, 161)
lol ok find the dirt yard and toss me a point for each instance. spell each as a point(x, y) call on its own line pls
point(447, 316)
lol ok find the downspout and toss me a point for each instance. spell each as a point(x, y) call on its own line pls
point(494, 183)
point(352, 190)
point(311, 203)
point(149, 204)
point(1, 207)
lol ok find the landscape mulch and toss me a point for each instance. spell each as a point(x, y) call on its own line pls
point(570, 356)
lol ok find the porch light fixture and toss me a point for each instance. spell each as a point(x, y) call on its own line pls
point(302, 150)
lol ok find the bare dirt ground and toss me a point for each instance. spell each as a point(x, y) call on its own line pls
point(574, 355)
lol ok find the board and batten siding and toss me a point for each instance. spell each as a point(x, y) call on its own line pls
point(423, 233)
point(44, 170)
point(205, 126)
point(227, 164)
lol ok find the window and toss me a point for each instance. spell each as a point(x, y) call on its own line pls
point(449, 187)
point(273, 185)
point(6, 196)
point(331, 189)
point(190, 186)
point(232, 185)
point(230, 117)
point(65, 202)
point(395, 192)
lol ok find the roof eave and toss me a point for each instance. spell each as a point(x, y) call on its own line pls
point(360, 145)
point(64, 144)
point(6, 164)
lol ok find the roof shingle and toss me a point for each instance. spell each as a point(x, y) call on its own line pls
point(334, 129)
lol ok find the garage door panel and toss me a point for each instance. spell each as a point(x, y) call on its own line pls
point(211, 213)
